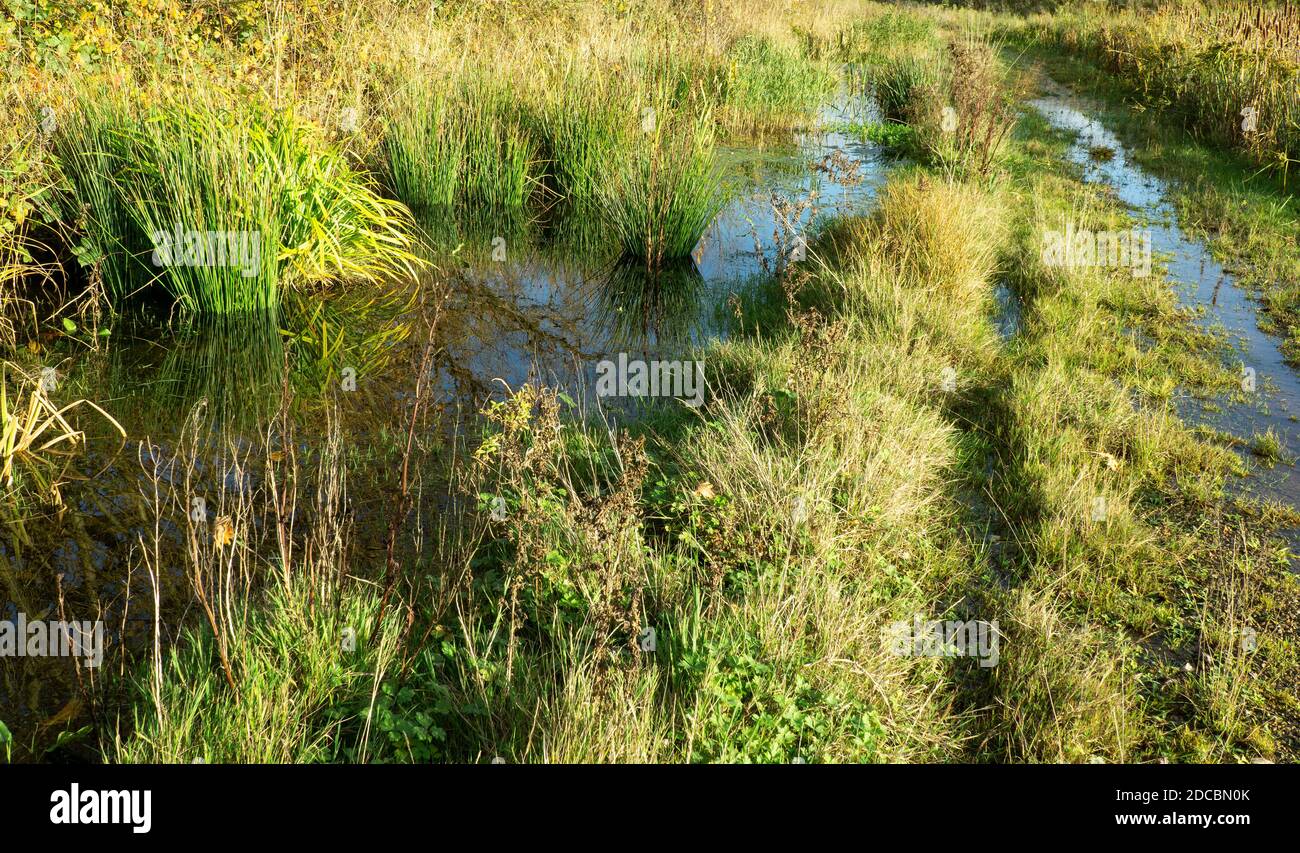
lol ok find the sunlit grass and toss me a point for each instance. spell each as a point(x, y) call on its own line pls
point(280, 207)
point(1229, 71)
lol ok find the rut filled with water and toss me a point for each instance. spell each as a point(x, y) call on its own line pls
point(1201, 283)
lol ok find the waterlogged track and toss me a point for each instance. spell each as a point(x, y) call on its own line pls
point(1203, 284)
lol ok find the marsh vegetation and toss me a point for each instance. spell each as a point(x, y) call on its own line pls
point(303, 304)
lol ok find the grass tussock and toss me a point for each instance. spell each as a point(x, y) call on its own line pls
point(222, 208)
point(667, 190)
point(960, 107)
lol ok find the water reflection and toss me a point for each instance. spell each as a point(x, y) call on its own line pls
point(548, 309)
point(647, 310)
point(237, 365)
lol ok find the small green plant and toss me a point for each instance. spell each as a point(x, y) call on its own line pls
point(748, 710)
point(1268, 447)
point(1102, 153)
point(407, 719)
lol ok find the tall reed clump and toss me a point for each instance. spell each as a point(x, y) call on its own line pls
point(587, 128)
point(500, 153)
point(667, 190)
point(643, 306)
point(423, 148)
point(645, 167)
point(754, 83)
point(89, 150)
point(221, 206)
point(463, 143)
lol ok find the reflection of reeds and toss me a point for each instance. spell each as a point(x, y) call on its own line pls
point(242, 368)
point(237, 367)
point(354, 333)
point(35, 429)
point(576, 231)
point(475, 233)
point(643, 307)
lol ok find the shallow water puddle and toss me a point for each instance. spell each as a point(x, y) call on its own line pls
point(1201, 282)
point(552, 319)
